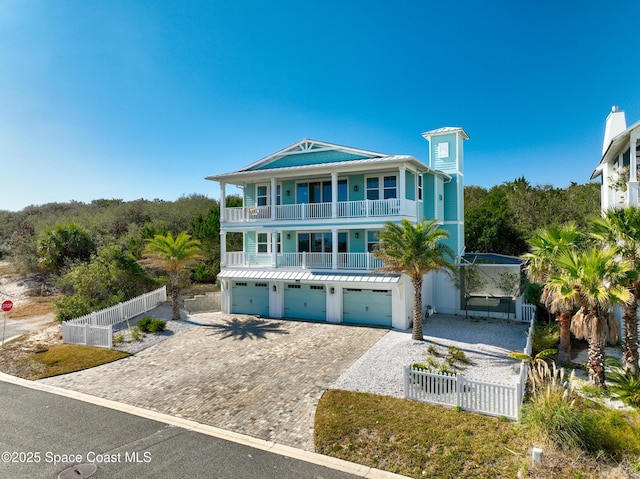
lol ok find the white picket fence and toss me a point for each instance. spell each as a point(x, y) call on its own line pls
point(96, 329)
point(484, 397)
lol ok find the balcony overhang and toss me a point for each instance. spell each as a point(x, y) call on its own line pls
point(307, 276)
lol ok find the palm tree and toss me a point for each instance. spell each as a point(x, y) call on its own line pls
point(621, 230)
point(171, 254)
point(545, 247)
point(590, 279)
point(414, 251)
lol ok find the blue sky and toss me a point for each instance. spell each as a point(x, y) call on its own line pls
point(143, 99)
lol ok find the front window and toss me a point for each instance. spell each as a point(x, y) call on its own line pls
point(314, 242)
point(264, 243)
point(383, 187)
point(390, 187)
point(372, 240)
point(316, 191)
point(263, 195)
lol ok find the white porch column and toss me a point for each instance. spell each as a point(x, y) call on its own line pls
point(223, 248)
point(223, 201)
point(402, 188)
point(273, 198)
point(334, 248)
point(334, 194)
point(274, 248)
point(632, 198)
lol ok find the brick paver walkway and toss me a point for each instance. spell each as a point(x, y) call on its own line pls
point(260, 377)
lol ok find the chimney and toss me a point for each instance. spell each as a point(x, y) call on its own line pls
point(616, 124)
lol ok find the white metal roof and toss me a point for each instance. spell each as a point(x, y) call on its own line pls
point(308, 276)
point(444, 130)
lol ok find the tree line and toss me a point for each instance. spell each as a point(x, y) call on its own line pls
point(91, 251)
point(503, 218)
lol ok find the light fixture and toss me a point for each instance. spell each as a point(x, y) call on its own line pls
point(355, 187)
point(288, 235)
point(274, 288)
point(357, 235)
point(332, 290)
point(288, 192)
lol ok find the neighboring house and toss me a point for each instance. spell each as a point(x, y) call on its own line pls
point(619, 173)
point(618, 168)
point(310, 218)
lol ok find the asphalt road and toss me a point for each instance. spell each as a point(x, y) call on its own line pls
point(42, 434)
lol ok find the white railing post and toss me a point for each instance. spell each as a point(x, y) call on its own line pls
point(304, 260)
point(458, 388)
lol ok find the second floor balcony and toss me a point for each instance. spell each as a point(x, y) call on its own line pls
point(305, 211)
point(303, 260)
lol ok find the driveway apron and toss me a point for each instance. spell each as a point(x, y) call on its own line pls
point(260, 377)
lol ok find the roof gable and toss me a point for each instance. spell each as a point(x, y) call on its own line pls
point(310, 152)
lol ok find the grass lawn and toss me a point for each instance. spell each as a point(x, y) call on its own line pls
point(423, 440)
point(66, 358)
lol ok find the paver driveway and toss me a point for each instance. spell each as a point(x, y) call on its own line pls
point(260, 377)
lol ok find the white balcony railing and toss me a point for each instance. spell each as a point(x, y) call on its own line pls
point(304, 260)
point(304, 211)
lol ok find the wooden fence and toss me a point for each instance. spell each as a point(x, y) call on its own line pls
point(485, 397)
point(96, 329)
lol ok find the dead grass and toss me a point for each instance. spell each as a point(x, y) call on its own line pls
point(34, 306)
point(424, 440)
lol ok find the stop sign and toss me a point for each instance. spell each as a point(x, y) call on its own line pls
point(7, 305)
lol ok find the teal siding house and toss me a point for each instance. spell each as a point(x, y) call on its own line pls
point(310, 218)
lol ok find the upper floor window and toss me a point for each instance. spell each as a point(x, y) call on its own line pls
point(263, 195)
point(419, 187)
point(379, 187)
point(320, 191)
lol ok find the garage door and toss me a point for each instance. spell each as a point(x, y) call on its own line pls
point(250, 298)
point(366, 306)
point(305, 301)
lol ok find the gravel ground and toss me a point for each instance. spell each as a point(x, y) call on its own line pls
point(163, 312)
point(485, 342)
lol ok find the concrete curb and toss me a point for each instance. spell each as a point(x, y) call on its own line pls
point(275, 448)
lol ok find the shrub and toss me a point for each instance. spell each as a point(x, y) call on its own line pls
point(624, 385)
point(151, 325)
point(545, 337)
point(457, 355)
point(157, 326)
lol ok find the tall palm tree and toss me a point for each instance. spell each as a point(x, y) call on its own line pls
point(590, 279)
point(171, 254)
point(545, 247)
point(414, 251)
point(620, 229)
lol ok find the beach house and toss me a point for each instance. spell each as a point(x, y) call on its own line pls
point(309, 221)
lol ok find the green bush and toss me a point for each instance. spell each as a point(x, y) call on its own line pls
point(624, 385)
point(545, 337)
point(151, 325)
